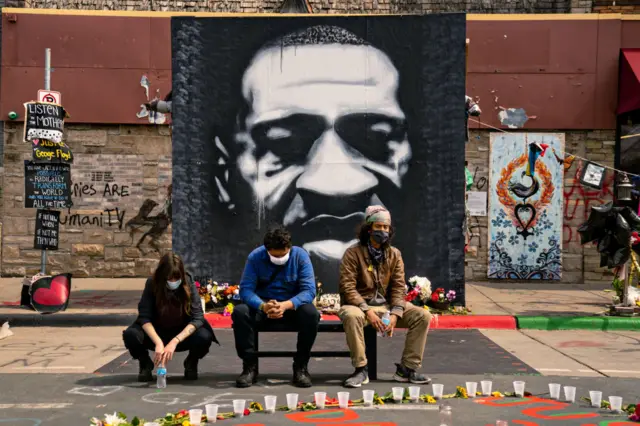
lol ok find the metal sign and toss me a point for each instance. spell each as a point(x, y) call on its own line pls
point(50, 96)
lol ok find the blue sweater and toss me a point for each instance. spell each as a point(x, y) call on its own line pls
point(295, 281)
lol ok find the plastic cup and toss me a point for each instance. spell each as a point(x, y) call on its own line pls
point(438, 389)
point(270, 403)
point(472, 388)
point(518, 388)
point(414, 393)
point(212, 412)
point(238, 407)
point(570, 393)
point(367, 397)
point(554, 390)
point(486, 387)
point(343, 399)
point(195, 417)
point(292, 401)
point(320, 398)
point(596, 398)
point(616, 403)
point(398, 394)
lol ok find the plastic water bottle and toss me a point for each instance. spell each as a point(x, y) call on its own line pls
point(446, 416)
point(161, 372)
point(386, 319)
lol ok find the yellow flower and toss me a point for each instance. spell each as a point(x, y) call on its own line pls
point(497, 394)
point(461, 392)
point(255, 406)
point(430, 400)
point(186, 423)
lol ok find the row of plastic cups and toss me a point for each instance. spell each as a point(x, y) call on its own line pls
point(594, 396)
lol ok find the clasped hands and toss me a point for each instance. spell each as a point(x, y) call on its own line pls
point(163, 353)
point(377, 323)
point(275, 310)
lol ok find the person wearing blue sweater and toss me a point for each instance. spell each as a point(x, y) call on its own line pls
point(278, 284)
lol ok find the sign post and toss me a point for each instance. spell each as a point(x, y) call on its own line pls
point(47, 86)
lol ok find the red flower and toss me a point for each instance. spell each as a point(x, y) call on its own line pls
point(411, 295)
point(246, 412)
point(434, 297)
point(637, 410)
point(197, 284)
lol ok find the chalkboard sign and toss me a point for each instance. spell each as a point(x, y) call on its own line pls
point(43, 121)
point(46, 151)
point(47, 186)
point(47, 230)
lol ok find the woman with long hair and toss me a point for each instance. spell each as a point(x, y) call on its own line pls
point(170, 319)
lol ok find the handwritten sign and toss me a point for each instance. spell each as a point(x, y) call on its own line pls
point(477, 203)
point(46, 151)
point(47, 186)
point(43, 121)
point(47, 230)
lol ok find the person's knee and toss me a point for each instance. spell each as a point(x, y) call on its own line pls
point(131, 336)
point(240, 312)
point(308, 314)
point(424, 318)
point(203, 337)
point(352, 317)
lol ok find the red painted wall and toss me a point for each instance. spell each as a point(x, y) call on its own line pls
point(562, 72)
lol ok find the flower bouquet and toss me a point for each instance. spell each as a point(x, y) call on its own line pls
point(116, 419)
point(440, 300)
point(418, 290)
point(219, 295)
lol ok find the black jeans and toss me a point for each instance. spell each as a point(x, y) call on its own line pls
point(138, 342)
point(245, 320)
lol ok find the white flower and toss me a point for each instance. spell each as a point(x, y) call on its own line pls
point(236, 291)
point(114, 420)
point(215, 283)
point(214, 299)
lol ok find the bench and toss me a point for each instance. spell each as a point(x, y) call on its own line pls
point(324, 327)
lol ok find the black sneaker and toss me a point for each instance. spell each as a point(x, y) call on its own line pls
point(358, 378)
point(301, 377)
point(190, 368)
point(145, 373)
point(404, 375)
point(249, 375)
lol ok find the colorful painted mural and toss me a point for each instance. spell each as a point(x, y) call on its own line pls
point(525, 206)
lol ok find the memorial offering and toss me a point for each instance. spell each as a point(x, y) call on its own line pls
point(43, 120)
point(47, 230)
point(47, 186)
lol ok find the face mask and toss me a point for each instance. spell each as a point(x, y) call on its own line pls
point(279, 260)
point(174, 284)
point(380, 237)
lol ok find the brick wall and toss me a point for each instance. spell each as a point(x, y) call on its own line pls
point(116, 169)
point(579, 263)
point(616, 6)
point(322, 6)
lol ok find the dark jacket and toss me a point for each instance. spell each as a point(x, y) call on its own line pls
point(147, 309)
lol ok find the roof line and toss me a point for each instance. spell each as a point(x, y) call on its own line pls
point(470, 16)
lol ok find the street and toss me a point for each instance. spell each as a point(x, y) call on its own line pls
point(60, 376)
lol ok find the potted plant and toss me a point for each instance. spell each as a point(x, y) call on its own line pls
point(442, 301)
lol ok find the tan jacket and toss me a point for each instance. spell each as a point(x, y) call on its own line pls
point(359, 278)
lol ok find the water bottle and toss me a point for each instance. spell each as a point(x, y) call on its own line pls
point(161, 372)
point(446, 417)
point(386, 319)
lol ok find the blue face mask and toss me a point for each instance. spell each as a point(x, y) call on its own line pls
point(173, 285)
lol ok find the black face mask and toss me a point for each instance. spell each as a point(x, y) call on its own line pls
point(380, 237)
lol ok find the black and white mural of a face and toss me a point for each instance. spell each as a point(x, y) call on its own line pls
point(307, 130)
point(323, 137)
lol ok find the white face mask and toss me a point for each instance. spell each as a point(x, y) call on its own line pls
point(280, 260)
point(174, 284)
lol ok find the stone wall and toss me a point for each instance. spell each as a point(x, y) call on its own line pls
point(116, 169)
point(322, 6)
point(617, 6)
point(579, 263)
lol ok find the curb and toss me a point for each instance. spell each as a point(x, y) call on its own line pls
point(443, 322)
point(578, 323)
point(68, 320)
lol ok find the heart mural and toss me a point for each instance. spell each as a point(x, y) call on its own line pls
point(51, 294)
point(524, 213)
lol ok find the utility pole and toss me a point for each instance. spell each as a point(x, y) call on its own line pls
point(47, 86)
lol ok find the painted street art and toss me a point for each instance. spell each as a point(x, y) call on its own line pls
point(306, 122)
point(525, 206)
point(152, 226)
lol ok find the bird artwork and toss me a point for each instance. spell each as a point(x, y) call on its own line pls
point(518, 193)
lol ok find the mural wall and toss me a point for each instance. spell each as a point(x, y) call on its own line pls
point(306, 122)
point(525, 206)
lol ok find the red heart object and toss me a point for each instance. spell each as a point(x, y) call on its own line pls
point(57, 294)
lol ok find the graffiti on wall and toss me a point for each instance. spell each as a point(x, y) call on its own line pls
point(525, 227)
point(107, 192)
point(331, 115)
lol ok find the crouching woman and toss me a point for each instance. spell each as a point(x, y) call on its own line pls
point(170, 319)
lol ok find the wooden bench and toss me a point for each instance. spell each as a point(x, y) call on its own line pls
point(324, 327)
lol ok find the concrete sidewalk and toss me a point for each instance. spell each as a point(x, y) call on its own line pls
point(110, 301)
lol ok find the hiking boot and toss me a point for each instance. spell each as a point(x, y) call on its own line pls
point(301, 376)
point(404, 375)
point(190, 368)
point(358, 378)
point(145, 373)
point(249, 375)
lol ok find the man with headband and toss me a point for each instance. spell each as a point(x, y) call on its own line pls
point(372, 283)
